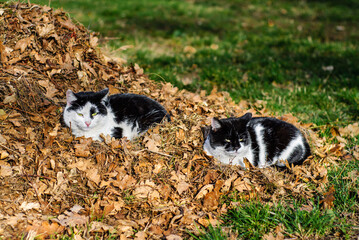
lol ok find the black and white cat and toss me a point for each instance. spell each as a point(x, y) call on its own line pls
point(89, 114)
point(263, 141)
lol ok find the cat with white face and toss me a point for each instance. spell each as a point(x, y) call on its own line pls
point(90, 114)
point(262, 141)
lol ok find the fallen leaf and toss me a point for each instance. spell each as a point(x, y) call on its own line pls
point(211, 200)
point(31, 205)
point(3, 155)
point(93, 175)
point(82, 150)
point(173, 237)
point(46, 229)
point(50, 88)
point(9, 99)
point(22, 44)
point(100, 227)
point(350, 130)
point(152, 144)
point(44, 30)
point(328, 200)
point(141, 235)
point(204, 190)
point(182, 187)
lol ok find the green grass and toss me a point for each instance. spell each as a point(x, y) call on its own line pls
point(280, 52)
point(346, 183)
point(275, 51)
point(253, 220)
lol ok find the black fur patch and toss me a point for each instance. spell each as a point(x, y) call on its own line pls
point(93, 97)
point(137, 108)
point(276, 135)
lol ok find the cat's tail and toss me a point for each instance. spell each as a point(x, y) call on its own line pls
point(154, 116)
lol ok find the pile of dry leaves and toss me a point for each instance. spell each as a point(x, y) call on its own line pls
point(161, 185)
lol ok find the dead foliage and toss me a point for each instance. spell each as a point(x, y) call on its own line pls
point(161, 185)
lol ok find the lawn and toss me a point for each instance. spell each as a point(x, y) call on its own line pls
point(299, 57)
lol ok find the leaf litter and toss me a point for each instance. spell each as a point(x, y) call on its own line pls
point(161, 185)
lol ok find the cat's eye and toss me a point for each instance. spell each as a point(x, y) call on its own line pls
point(80, 114)
point(94, 114)
point(241, 140)
point(227, 140)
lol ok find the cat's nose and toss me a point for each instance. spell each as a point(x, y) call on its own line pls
point(87, 123)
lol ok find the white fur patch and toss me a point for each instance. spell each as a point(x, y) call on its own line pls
point(285, 154)
point(262, 147)
point(100, 124)
point(233, 158)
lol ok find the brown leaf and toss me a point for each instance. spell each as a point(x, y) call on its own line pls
point(211, 200)
point(46, 229)
point(108, 209)
point(240, 185)
point(182, 187)
point(328, 200)
point(93, 175)
point(82, 149)
point(44, 30)
point(334, 131)
point(155, 229)
point(3, 155)
point(15, 122)
point(173, 237)
point(152, 144)
point(141, 235)
point(350, 130)
point(22, 44)
point(3, 53)
point(204, 191)
point(50, 88)
point(125, 183)
point(100, 227)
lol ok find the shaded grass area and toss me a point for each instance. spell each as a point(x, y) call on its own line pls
point(298, 56)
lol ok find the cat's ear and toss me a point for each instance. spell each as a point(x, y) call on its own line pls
point(70, 97)
point(205, 131)
point(104, 93)
point(215, 124)
point(247, 116)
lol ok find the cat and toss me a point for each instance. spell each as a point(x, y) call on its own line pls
point(90, 114)
point(263, 141)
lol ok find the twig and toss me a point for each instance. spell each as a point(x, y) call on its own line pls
point(35, 188)
point(15, 108)
point(159, 153)
point(10, 149)
point(39, 176)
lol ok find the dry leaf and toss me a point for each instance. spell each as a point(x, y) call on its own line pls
point(22, 44)
point(182, 187)
point(204, 190)
point(3, 155)
point(50, 88)
point(153, 143)
point(211, 200)
point(44, 30)
point(27, 206)
point(93, 175)
point(328, 200)
point(173, 237)
point(350, 130)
